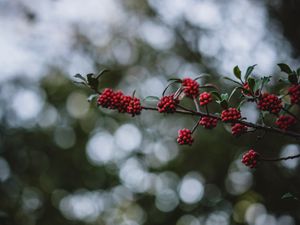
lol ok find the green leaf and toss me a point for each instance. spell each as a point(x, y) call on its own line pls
point(251, 83)
point(224, 104)
point(209, 86)
point(92, 97)
point(288, 195)
point(298, 71)
point(234, 81)
point(224, 96)
point(264, 81)
point(233, 91)
point(175, 79)
point(79, 82)
point(285, 68)
point(92, 81)
point(202, 75)
point(237, 72)
point(173, 82)
point(216, 94)
point(241, 103)
point(249, 71)
point(79, 76)
point(101, 73)
point(293, 79)
point(151, 98)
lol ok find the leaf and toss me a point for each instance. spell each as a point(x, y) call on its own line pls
point(241, 103)
point(216, 94)
point(79, 76)
point(202, 75)
point(79, 82)
point(224, 104)
point(173, 82)
point(265, 80)
point(288, 195)
point(234, 81)
point(224, 96)
point(293, 79)
point(92, 82)
point(251, 83)
point(92, 97)
point(285, 68)
point(101, 73)
point(233, 91)
point(209, 86)
point(175, 79)
point(249, 71)
point(237, 72)
point(151, 98)
point(298, 71)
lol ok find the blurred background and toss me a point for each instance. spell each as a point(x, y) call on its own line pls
point(63, 161)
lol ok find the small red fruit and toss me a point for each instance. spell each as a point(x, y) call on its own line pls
point(205, 98)
point(185, 137)
point(238, 129)
point(167, 104)
point(284, 122)
point(208, 122)
point(230, 114)
point(294, 92)
point(134, 106)
point(269, 102)
point(250, 158)
point(190, 87)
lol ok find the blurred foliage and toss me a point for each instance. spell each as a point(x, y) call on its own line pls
point(71, 163)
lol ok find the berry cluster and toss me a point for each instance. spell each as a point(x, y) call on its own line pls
point(190, 87)
point(117, 100)
point(284, 122)
point(269, 102)
point(185, 137)
point(167, 104)
point(294, 92)
point(250, 158)
point(208, 122)
point(230, 114)
point(205, 98)
point(238, 129)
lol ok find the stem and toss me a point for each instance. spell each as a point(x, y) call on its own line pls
point(256, 126)
point(196, 104)
point(280, 159)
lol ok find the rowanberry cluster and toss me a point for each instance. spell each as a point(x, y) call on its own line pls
point(185, 137)
point(208, 122)
point(167, 104)
point(270, 102)
point(205, 98)
point(250, 158)
point(294, 92)
point(190, 87)
point(284, 122)
point(117, 100)
point(230, 114)
point(238, 129)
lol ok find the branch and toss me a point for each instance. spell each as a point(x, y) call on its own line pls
point(279, 159)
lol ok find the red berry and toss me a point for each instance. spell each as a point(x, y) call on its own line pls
point(238, 129)
point(205, 98)
point(124, 102)
point(230, 114)
point(284, 122)
point(109, 99)
point(250, 158)
point(269, 102)
point(167, 104)
point(190, 87)
point(294, 92)
point(248, 92)
point(185, 137)
point(208, 122)
point(134, 106)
